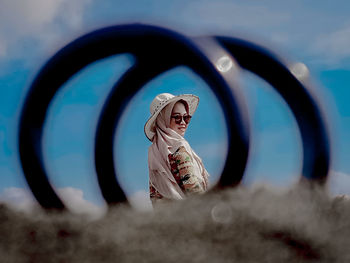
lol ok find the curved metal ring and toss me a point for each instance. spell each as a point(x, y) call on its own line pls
point(311, 121)
point(102, 43)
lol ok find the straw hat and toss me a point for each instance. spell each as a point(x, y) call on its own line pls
point(160, 101)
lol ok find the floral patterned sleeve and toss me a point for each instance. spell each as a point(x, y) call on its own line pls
point(182, 169)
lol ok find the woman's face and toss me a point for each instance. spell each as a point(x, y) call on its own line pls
point(179, 109)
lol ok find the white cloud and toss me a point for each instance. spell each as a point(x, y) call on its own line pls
point(3, 48)
point(73, 12)
point(227, 15)
point(140, 200)
point(23, 18)
point(18, 198)
point(339, 183)
point(280, 38)
point(74, 200)
point(23, 200)
point(38, 19)
point(334, 46)
point(30, 13)
point(212, 149)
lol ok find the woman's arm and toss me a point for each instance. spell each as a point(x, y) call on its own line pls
point(182, 169)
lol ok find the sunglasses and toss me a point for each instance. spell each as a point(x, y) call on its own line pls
point(178, 118)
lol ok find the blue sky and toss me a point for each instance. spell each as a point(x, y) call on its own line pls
point(317, 35)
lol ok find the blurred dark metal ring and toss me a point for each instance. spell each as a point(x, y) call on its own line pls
point(299, 97)
point(148, 44)
point(157, 50)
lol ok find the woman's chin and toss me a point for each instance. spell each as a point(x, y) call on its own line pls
point(182, 133)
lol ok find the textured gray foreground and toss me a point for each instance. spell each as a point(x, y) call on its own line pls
point(241, 225)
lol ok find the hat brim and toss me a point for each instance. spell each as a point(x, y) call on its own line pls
point(192, 101)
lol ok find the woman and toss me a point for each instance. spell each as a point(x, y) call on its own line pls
point(175, 170)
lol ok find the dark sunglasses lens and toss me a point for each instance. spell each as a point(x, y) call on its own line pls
point(187, 119)
point(178, 119)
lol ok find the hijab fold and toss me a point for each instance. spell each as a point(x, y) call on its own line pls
point(166, 141)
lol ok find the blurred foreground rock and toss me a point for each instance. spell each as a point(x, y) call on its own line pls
point(240, 225)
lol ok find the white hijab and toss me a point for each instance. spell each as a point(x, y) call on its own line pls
point(166, 141)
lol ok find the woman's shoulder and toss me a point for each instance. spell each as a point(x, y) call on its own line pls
point(180, 154)
point(180, 150)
